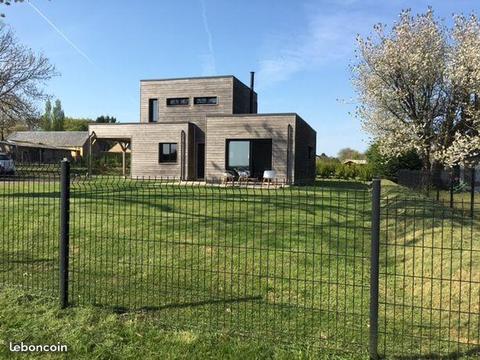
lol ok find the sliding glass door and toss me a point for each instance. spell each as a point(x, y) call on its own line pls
point(254, 155)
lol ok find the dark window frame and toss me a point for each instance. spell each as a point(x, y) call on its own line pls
point(227, 153)
point(250, 140)
point(197, 98)
point(152, 114)
point(180, 99)
point(171, 157)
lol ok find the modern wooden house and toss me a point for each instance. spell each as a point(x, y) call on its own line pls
point(197, 128)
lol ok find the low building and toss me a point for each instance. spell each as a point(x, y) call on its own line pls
point(354, 162)
point(198, 128)
point(48, 146)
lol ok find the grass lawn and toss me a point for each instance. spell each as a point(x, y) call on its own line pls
point(461, 200)
point(95, 333)
point(288, 265)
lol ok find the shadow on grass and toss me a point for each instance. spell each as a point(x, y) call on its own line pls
point(474, 352)
point(341, 184)
point(21, 257)
point(123, 310)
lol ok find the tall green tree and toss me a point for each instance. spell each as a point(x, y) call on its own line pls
point(106, 119)
point(54, 117)
point(46, 123)
point(58, 116)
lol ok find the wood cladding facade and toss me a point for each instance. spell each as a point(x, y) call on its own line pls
point(191, 125)
point(145, 140)
point(232, 98)
point(285, 130)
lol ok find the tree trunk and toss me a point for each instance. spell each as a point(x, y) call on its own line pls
point(436, 174)
point(426, 172)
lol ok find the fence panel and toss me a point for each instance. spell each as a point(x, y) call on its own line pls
point(29, 203)
point(429, 277)
point(284, 263)
point(281, 263)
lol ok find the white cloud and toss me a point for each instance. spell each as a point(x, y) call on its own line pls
point(327, 38)
point(208, 60)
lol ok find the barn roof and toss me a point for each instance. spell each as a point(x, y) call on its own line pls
point(62, 139)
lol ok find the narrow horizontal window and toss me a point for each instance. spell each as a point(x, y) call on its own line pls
point(205, 100)
point(177, 101)
point(167, 152)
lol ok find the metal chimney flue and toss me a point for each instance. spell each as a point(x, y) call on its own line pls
point(252, 85)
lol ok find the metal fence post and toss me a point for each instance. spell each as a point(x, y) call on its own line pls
point(64, 230)
point(472, 192)
point(374, 269)
point(451, 189)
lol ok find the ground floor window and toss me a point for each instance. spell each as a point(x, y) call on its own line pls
point(167, 152)
point(238, 153)
point(254, 155)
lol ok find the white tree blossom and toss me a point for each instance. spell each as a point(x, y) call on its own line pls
point(418, 88)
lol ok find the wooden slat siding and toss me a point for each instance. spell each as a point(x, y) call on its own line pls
point(145, 139)
point(305, 136)
point(163, 89)
point(241, 98)
point(274, 127)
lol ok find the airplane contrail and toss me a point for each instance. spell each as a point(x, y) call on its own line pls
point(60, 32)
point(210, 67)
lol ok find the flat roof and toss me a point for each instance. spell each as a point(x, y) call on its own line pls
point(192, 78)
point(141, 123)
point(187, 122)
point(251, 115)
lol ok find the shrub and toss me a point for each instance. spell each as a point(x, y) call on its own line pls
point(326, 167)
point(332, 168)
point(365, 172)
point(388, 167)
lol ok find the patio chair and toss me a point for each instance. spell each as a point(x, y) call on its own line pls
point(243, 175)
point(269, 175)
point(227, 176)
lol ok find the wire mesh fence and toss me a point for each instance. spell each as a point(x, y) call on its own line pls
point(451, 187)
point(429, 277)
point(289, 264)
point(29, 227)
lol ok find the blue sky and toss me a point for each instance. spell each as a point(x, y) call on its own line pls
point(300, 50)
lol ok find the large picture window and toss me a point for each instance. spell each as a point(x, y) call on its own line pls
point(254, 155)
point(238, 153)
point(167, 152)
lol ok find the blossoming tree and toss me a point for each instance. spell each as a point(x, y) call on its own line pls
point(419, 86)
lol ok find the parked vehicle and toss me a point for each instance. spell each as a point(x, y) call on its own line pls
point(7, 165)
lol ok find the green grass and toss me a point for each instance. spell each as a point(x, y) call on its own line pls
point(95, 333)
point(289, 265)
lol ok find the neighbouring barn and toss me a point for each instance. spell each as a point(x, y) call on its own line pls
point(47, 146)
